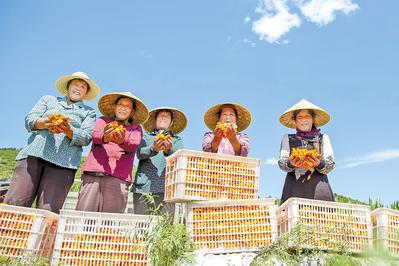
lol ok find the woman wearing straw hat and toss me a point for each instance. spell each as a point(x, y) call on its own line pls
point(108, 168)
point(227, 120)
point(306, 178)
point(160, 140)
point(59, 127)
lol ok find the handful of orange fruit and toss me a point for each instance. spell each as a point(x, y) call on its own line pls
point(225, 127)
point(116, 128)
point(58, 119)
point(304, 155)
point(163, 136)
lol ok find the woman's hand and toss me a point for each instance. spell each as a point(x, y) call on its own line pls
point(157, 145)
point(43, 123)
point(296, 162)
point(167, 145)
point(218, 134)
point(314, 160)
point(118, 137)
point(108, 129)
point(64, 127)
point(231, 134)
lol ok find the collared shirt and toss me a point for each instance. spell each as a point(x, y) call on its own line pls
point(58, 148)
point(111, 158)
point(150, 176)
point(225, 146)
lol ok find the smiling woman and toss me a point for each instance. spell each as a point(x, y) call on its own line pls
point(306, 156)
point(108, 167)
point(59, 128)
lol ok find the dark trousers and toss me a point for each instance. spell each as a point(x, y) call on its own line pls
point(102, 194)
point(141, 207)
point(36, 178)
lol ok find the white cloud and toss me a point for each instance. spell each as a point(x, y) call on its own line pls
point(271, 161)
point(375, 157)
point(323, 12)
point(248, 42)
point(276, 20)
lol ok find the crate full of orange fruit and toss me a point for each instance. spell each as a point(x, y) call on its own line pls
point(231, 226)
point(196, 175)
point(26, 232)
point(95, 238)
point(386, 230)
point(326, 225)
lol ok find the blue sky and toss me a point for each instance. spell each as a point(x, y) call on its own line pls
point(267, 55)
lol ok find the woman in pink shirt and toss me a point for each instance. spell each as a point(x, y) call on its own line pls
point(108, 168)
point(227, 120)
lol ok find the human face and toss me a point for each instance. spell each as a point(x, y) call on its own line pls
point(228, 115)
point(77, 90)
point(163, 120)
point(304, 121)
point(124, 109)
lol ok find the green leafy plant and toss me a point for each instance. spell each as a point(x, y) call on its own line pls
point(5, 261)
point(167, 243)
point(292, 248)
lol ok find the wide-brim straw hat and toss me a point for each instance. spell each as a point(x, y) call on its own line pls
point(62, 82)
point(211, 117)
point(107, 104)
point(321, 115)
point(179, 120)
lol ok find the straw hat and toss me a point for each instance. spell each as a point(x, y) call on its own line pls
point(179, 120)
point(211, 117)
point(107, 103)
point(62, 82)
point(321, 118)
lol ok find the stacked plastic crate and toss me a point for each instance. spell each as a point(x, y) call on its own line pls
point(220, 198)
point(26, 232)
point(386, 230)
point(326, 225)
point(92, 238)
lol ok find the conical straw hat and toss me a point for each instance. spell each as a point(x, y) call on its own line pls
point(179, 120)
point(107, 103)
point(62, 82)
point(211, 117)
point(321, 117)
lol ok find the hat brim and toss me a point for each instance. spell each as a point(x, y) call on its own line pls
point(107, 104)
point(61, 85)
point(211, 117)
point(321, 115)
point(179, 120)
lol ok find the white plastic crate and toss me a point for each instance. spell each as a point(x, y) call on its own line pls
point(95, 238)
point(196, 175)
point(26, 232)
point(386, 229)
point(231, 226)
point(327, 225)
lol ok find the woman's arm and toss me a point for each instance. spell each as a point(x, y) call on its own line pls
point(82, 135)
point(36, 113)
point(284, 159)
point(327, 160)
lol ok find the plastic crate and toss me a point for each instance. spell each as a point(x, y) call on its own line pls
point(326, 225)
point(195, 175)
point(26, 232)
point(95, 238)
point(386, 230)
point(231, 226)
